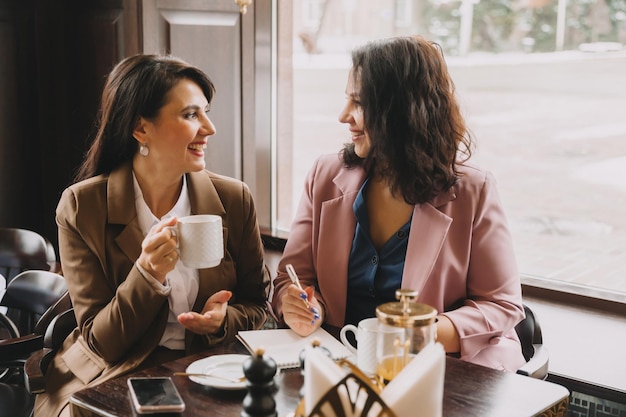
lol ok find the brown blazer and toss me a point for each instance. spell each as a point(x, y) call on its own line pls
point(120, 315)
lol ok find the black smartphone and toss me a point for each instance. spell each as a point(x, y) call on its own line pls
point(155, 395)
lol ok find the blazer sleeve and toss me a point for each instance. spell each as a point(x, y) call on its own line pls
point(493, 305)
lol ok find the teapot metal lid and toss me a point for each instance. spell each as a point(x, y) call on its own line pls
point(406, 313)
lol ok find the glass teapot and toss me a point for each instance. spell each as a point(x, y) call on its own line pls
point(405, 328)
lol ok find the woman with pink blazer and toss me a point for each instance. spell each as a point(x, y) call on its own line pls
point(401, 207)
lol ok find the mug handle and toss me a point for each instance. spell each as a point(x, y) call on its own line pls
point(344, 339)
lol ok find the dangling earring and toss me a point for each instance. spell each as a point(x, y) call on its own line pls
point(144, 150)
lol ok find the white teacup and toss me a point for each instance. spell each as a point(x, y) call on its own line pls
point(200, 240)
point(366, 334)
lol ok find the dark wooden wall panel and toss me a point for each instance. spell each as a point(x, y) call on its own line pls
point(19, 130)
point(57, 57)
point(8, 114)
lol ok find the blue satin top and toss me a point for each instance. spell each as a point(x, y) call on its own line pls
point(373, 277)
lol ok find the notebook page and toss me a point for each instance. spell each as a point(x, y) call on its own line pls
point(284, 345)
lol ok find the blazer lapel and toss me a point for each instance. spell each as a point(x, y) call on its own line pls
point(203, 195)
point(338, 227)
point(121, 196)
point(429, 229)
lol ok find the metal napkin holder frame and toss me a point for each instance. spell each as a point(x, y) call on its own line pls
point(352, 391)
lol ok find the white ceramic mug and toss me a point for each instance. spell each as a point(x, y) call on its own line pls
point(200, 240)
point(366, 334)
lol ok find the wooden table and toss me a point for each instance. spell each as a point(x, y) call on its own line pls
point(469, 391)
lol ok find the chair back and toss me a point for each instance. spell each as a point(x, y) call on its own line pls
point(29, 295)
point(22, 249)
point(56, 324)
point(531, 340)
point(16, 399)
point(16, 346)
point(529, 333)
point(3, 287)
point(62, 305)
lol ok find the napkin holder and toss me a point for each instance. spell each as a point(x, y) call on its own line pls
point(350, 392)
point(354, 391)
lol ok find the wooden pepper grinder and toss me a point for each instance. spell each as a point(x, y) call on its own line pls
point(259, 371)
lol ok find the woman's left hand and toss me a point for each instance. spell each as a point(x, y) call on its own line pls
point(212, 316)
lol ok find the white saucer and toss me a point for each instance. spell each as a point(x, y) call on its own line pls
point(227, 366)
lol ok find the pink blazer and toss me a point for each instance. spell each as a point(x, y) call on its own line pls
point(459, 258)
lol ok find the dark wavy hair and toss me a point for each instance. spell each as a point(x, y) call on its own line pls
point(136, 87)
point(410, 112)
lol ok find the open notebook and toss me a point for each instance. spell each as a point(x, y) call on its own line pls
point(284, 345)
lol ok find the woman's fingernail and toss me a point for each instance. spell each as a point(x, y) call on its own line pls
point(303, 296)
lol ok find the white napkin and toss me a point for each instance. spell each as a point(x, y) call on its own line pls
point(417, 391)
point(320, 374)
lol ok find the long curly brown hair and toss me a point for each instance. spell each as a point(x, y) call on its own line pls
point(417, 132)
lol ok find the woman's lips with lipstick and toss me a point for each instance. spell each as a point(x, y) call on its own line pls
point(357, 134)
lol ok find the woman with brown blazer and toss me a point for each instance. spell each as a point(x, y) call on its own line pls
point(136, 303)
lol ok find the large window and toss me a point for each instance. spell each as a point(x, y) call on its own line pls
point(543, 87)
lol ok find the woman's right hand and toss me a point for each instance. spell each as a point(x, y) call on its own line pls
point(158, 250)
point(301, 319)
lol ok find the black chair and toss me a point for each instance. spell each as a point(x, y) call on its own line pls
point(27, 298)
point(3, 287)
point(56, 333)
point(22, 249)
point(16, 399)
point(535, 353)
point(29, 295)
